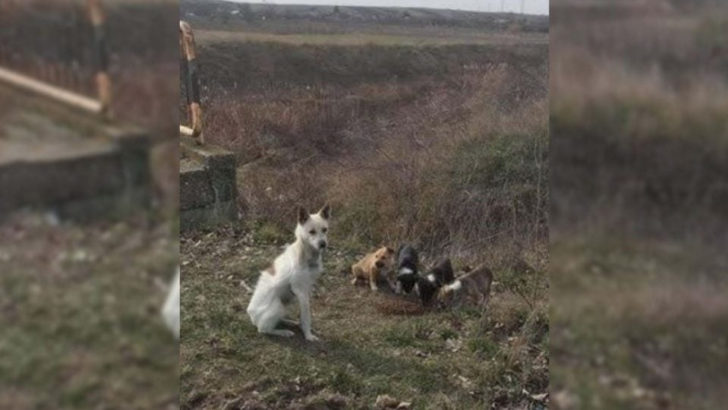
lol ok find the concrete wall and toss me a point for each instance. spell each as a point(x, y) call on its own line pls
point(54, 158)
point(208, 192)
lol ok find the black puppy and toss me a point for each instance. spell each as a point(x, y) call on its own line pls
point(426, 289)
point(407, 275)
point(443, 272)
point(428, 286)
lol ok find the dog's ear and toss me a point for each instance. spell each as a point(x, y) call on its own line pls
point(325, 212)
point(302, 215)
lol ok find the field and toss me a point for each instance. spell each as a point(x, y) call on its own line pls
point(438, 140)
point(79, 303)
point(639, 149)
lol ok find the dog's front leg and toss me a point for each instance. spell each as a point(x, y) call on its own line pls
point(373, 281)
point(305, 307)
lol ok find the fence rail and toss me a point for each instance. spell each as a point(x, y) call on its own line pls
point(49, 73)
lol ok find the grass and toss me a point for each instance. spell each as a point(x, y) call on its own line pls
point(379, 146)
point(205, 37)
point(638, 222)
point(437, 360)
point(627, 336)
point(80, 315)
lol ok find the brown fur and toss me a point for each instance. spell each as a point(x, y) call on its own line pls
point(367, 267)
point(474, 289)
point(271, 270)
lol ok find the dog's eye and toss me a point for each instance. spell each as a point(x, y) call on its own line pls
point(312, 232)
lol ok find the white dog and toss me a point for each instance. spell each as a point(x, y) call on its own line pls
point(170, 311)
point(293, 273)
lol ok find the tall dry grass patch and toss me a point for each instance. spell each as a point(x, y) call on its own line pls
point(668, 133)
point(454, 167)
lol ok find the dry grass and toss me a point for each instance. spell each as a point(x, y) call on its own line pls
point(448, 359)
point(638, 154)
point(376, 147)
point(358, 39)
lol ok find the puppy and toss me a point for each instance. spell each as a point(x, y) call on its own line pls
point(473, 288)
point(428, 286)
point(443, 272)
point(293, 273)
point(407, 274)
point(170, 311)
point(373, 266)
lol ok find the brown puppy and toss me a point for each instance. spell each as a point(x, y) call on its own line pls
point(473, 288)
point(372, 266)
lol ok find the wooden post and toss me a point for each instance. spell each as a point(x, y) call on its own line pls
point(103, 81)
point(187, 43)
point(98, 106)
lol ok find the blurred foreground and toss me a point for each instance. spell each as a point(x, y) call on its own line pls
point(80, 323)
point(79, 313)
point(639, 165)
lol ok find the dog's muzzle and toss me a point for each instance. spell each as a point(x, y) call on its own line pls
point(322, 244)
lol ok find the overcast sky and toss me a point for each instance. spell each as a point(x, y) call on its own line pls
point(529, 6)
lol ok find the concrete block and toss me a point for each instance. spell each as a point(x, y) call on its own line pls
point(208, 190)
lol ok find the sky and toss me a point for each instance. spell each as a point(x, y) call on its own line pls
point(529, 6)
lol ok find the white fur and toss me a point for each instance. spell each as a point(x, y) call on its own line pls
point(455, 286)
point(170, 311)
point(405, 271)
point(398, 286)
point(295, 271)
point(431, 278)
